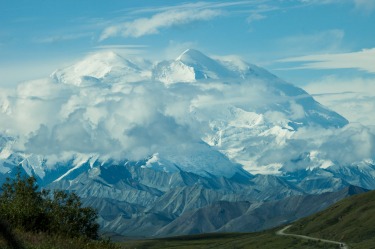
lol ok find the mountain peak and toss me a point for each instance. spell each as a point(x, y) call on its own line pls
point(104, 65)
point(192, 55)
point(103, 55)
point(190, 66)
point(200, 62)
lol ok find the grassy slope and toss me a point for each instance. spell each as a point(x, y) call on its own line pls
point(351, 220)
point(263, 240)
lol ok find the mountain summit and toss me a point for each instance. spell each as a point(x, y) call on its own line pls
point(204, 67)
point(193, 65)
point(107, 67)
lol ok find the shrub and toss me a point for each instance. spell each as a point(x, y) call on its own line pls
point(69, 218)
point(26, 208)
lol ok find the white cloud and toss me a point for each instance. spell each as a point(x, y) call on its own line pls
point(321, 1)
point(129, 50)
point(153, 25)
point(133, 120)
point(354, 98)
point(327, 40)
point(197, 6)
point(363, 60)
point(312, 147)
point(363, 6)
point(60, 38)
point(366, 6)
point(255, 17)
point(121, 46)
point(353, 143)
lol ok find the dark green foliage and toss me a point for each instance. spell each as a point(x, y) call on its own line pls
point(7, 234)
point(32, 240)
point(68, 217)
point(26, 208)
point(21, 204)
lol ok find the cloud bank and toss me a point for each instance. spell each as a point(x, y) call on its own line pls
point(204, 125)
point(354, 98)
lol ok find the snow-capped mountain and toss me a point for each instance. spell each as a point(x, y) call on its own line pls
point(247, 109)
point(153, 144)
point(195, 113)
point(105, 67)
point(192, 66)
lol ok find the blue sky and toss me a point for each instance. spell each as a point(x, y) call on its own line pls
point(325, 46)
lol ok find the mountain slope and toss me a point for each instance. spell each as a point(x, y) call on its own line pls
point(251, 217)
point(126, 194)
point(350, 220)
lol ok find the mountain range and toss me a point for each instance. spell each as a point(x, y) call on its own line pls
point(345, 224)
point(191, 145)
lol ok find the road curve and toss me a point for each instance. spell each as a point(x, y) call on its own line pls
point(282, 233)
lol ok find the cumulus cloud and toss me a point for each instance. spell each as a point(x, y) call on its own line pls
point(312, 147)
point(52, 118)
point(356, 142)
point(249, 121)
point(153, 25)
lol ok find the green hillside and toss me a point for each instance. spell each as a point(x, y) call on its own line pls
point(351, 220)
point(263, 240)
